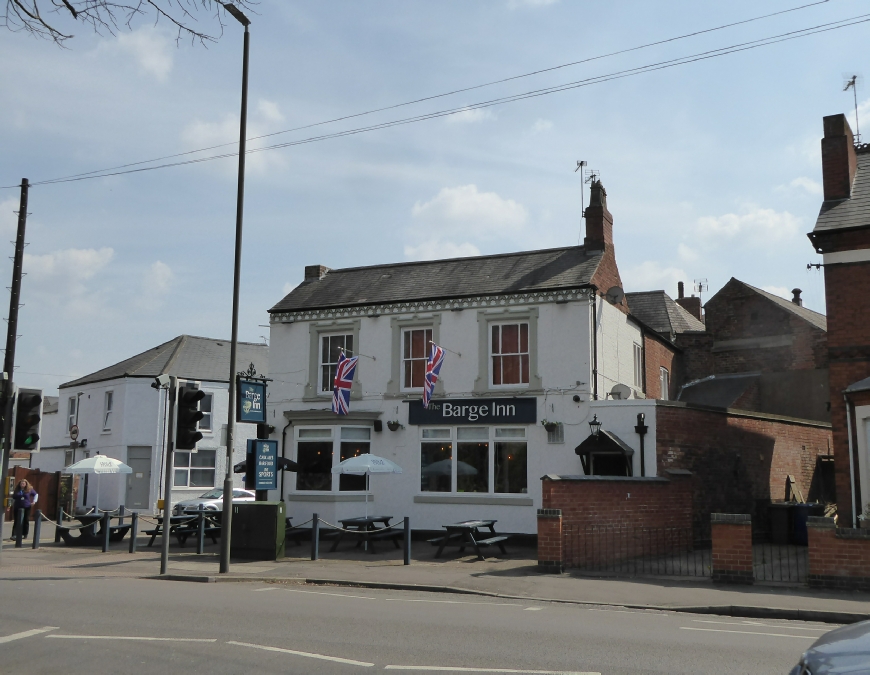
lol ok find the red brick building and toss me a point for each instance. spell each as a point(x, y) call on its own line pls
point(842, 236)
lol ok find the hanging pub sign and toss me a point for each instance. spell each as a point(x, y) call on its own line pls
point(458, 411)
point(265, 455)
point(251, 397)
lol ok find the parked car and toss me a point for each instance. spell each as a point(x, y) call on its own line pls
point(842, 650)
point(213, 500)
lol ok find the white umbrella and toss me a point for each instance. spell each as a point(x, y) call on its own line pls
point(444, 467)
point(98, 464)
point(366, 464)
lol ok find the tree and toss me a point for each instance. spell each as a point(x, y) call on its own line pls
point(46, 18)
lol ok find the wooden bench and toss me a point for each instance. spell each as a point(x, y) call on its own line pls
point(395, 535)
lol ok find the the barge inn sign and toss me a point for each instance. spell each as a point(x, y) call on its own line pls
point(474, 411)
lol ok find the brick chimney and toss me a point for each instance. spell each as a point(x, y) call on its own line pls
point(838, 158)
point(796, 297)
point(691, 305)
point(315, 272)
point(599, 222)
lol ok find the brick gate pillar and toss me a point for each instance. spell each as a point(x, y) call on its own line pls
point(732, 548)
point(550, 545)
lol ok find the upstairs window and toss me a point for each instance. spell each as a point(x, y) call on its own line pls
point(71, 412)
point(109, 402)
point(638, 366)
point(415, 355)
point(330, 350)
point(509, 346)
point(205, 408)
point(665, 384)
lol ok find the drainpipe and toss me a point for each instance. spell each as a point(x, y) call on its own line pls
point(594, 345)
point(641, 430)
point(284, 453)
point(851, 461)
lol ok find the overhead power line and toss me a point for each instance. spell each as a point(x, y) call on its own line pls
point(442, 95)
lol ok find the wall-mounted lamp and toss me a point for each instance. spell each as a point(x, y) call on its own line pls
point(595, 426)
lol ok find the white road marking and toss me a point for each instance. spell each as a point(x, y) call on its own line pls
point(309, 655)
point(130, 637)
point(456, 669)
point(26, 634)
point(626, 611)
point(455, 602)
point(337, 595)
point(533, 609)
point(749, 632)
point(268, 588)
point(765, 625)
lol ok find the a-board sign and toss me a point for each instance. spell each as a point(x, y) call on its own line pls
point(251, 407)
point(265, 463)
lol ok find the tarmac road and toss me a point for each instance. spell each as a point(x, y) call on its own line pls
point(113, 626)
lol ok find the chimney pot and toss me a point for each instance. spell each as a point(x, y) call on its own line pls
point(599, 222)
point(796, 297)
point(315, 272)
point(680, 290)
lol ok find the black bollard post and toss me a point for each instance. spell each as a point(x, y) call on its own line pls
point(20, 515)
point(106, 530)
point(134, 530)
point(37, 527)
point(200, 533)
point(315, 537)
point(407, 540)
point(121, 513)
point(59, 522)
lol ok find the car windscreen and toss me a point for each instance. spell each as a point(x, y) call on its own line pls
point(212, 494)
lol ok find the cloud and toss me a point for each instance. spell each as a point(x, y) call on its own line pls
point(863, 114)
point(471, 116)
point(650, 275)
point(464, 211)
point(754, 227)
point(433, 250)
point(781, 291)
point(155, 285)
point(269, 111)
point(686, 253)
point(514, 4)
point(203, 134)
point(151, 48)
point(9, 217)
point(59, 278)
point(541, 125)
point(288, 287)
point(808, 185)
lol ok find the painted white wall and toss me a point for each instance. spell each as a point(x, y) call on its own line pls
point(862, 421)
point(617, 336)
point(620, 418)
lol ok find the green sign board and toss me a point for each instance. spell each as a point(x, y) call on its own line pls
point(251, 406)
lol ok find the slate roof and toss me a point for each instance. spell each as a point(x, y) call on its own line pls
point(186, 356)
point(816, 319)
point(852, 212)
point(720, 391)
point(500, 274)
point(660, 312)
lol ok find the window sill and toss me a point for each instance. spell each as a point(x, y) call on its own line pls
point(327, 497)
point(105, 432)
point(469, 498)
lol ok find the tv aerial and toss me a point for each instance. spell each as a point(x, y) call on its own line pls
point(700, 286)
point(851, 82)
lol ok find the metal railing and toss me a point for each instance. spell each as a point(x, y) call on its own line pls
point(778, 562)
point(637, 551)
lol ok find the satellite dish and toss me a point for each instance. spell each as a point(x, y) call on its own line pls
point(614, 295)
point(620, 392)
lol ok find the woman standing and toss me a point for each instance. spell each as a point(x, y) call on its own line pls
point(22, 499)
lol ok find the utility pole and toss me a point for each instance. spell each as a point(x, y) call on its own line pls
point(227, 516)
point(172, 392)
point(8, 398)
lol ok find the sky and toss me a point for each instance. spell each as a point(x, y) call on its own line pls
point(712, 168)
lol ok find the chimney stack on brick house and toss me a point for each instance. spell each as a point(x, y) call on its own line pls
point(599, 222)
point(691, 305)
point(839, 161)
point(796, 297)
point(315, 272)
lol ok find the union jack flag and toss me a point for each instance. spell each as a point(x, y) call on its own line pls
point(344, 372)
point(433, 368)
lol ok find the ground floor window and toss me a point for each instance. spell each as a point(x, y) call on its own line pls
point(319, 449)
point(194, 469)
point(486, 460)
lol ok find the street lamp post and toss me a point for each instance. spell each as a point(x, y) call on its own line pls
point(227, 518)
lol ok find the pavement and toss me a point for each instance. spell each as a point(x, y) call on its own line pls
point(512, 576)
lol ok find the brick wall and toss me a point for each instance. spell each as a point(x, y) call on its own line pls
point(615, 507)
point(838, 558)
point(657, 356)
point(740, 460)
point(732, 548)
point(696, 361)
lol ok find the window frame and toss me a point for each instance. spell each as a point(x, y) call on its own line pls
point(108, 409)
point(209, 415)
point(638, 365)
point(317, 329)
point(397, 325)
point(321, 364)
point(664, 384)
point(486, 317)
point(491, 356)
point(335, 439)
point(402, 360)
point(72, 412)
point(189, 454)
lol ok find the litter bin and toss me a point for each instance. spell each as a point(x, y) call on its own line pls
point(780, 522)
point(800, 513)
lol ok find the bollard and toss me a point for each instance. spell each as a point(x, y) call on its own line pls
point(200, 533)
point(134, 530)
point(407, 540)
point(37, 527)
point(20, 515)
point(59, 523)
point(121, 513)
point(106, 531)
point(315, 537)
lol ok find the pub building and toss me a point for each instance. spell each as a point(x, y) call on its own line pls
point(535, 342)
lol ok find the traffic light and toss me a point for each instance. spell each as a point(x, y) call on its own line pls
point(187, 416)
point(27, 420)
point(264, 431)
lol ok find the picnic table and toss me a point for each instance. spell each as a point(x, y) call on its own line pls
point(89, 535)
point(182, 526)
point(467, 533)
point(364, 530)
point(209, 521)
